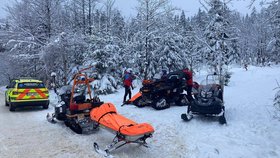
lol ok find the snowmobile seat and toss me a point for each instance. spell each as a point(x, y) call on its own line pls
point(147, 82)
point(80, 107)
point(80, 99)
point(173, 81)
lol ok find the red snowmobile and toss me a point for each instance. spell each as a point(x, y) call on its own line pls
point(160, 94)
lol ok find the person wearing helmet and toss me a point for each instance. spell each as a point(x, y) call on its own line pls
point(128, 78)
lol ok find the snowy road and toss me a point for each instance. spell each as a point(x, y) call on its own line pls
point(252, 131)
point(27, 134)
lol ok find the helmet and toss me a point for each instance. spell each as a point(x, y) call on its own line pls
point(82, 78)
point(164, 71)
point(129, 70)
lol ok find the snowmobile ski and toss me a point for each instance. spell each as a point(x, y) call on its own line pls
point(50, 118)
point(186, 117)
point(222, 120)
point(104, 153)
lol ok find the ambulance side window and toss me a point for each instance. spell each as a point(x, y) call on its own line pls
point(13, 84)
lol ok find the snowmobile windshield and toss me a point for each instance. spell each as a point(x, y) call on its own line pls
point(80, 89)
point(65, 90)
point(209, 82)
point(205, 86)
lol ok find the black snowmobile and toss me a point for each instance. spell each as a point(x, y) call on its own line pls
point(161, 93)
point(208, 99)
point(73, 108)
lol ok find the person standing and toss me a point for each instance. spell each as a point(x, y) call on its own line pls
point(189, 82)
point(163, 74)
point(246, 67)
point(128, 78)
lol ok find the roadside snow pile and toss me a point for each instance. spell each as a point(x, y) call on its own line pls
point(2, 90)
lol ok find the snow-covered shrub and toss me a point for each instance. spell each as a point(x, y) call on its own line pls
point(105, 85)
point(277, 101)
point(106, 56)
point(227, 77)
point(62, 55)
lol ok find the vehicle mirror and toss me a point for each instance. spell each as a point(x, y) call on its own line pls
point(7, 87)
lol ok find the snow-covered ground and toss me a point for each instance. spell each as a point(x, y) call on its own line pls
point(252, 130)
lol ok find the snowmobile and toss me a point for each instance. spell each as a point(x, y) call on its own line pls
point(160, 94)
point(73, 107)
point(126, 130)
point(208, 99)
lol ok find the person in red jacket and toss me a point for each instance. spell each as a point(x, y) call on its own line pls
point(189, 82)
point(128, 78)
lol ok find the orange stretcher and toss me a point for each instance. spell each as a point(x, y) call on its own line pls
point(126, 130)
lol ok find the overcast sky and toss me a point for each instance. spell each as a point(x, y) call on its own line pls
point(127, 7)
point(189, 6)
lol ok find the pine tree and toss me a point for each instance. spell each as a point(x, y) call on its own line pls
point(217, 37)
point(276, 33)
point(150, 14)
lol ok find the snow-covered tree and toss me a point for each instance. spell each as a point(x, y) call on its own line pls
point(274, 45)
point(217, 37)
point(105, 55)
point(64, 53)
point(200, 21)
point(150, 13)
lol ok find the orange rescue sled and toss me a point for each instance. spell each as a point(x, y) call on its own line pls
point(130, 101)
point(126, 130)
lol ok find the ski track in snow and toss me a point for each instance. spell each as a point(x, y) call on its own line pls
point(252, 130)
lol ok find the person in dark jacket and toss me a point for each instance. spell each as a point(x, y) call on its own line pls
point(128, 78)
point(163, 74)
point(189, 82)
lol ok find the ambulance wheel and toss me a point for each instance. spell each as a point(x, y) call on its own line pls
point(46, 106)
point(6, 103)
point(12, 107)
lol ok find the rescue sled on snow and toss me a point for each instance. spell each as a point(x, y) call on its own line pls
point(126, 130)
